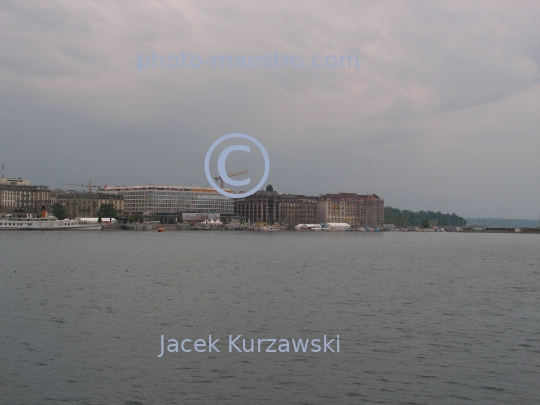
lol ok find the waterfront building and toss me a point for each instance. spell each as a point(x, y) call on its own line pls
point(14, 182)
point(351, 208)
point(54, 196)
point(18, 198)
point(87, 204)
point(373, 210)
point(297, 209)
point(261, 207)
point(290, 210)
point(152, 200)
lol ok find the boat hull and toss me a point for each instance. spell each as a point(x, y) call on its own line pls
point(46, 225)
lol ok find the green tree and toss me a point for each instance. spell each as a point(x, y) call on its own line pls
point(396, 216)
point(415, 222)
point(135, 218)
point(269, 188)
point(107, 211)
point(59, 211)
point(425, 224)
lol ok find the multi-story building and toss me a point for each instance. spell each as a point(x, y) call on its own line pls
point(298, 209)
point(290, 210)
point(54, 196)
point(86, 205)
point(261, 207)
point(352, 208)
point(23, 198)
point(373, 210)
point(15, 181)
point(171, 200)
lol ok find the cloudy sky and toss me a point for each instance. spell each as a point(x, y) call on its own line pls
point(442, 113)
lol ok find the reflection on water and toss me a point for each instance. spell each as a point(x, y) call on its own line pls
point(423, 318)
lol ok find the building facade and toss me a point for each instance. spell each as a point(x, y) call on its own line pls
point(171, 200)
point(290, 210)
point(373, 210)
point(297, 209)
point(86, 205)
point(261, 207)
point(351, 208)
point(15, 181)
point(23, 199)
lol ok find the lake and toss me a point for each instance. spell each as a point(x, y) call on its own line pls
point(423, 318)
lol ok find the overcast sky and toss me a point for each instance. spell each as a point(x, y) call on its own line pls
point(442, 113)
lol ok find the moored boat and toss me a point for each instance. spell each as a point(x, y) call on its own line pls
point(271, 228)
point(47, 224)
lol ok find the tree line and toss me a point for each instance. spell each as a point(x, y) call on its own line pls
point(421, 218)
point(105, 211)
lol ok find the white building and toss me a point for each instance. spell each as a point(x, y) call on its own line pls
point(15, 181)
point(151, 199)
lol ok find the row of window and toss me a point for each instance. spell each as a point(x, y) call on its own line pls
point(17, 204)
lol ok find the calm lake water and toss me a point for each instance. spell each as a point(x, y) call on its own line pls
point(423, 318)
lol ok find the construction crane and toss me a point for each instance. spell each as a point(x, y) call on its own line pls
point(222, 184)
point(89, 185)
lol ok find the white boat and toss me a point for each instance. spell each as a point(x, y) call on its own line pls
point(308, 227)
point(337, 226)
point(271, 228)
point(47, 224)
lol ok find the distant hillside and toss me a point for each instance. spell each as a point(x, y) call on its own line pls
point(503, 223)
point(401, 218)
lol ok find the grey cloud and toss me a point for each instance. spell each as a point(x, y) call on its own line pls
point(442, 114)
